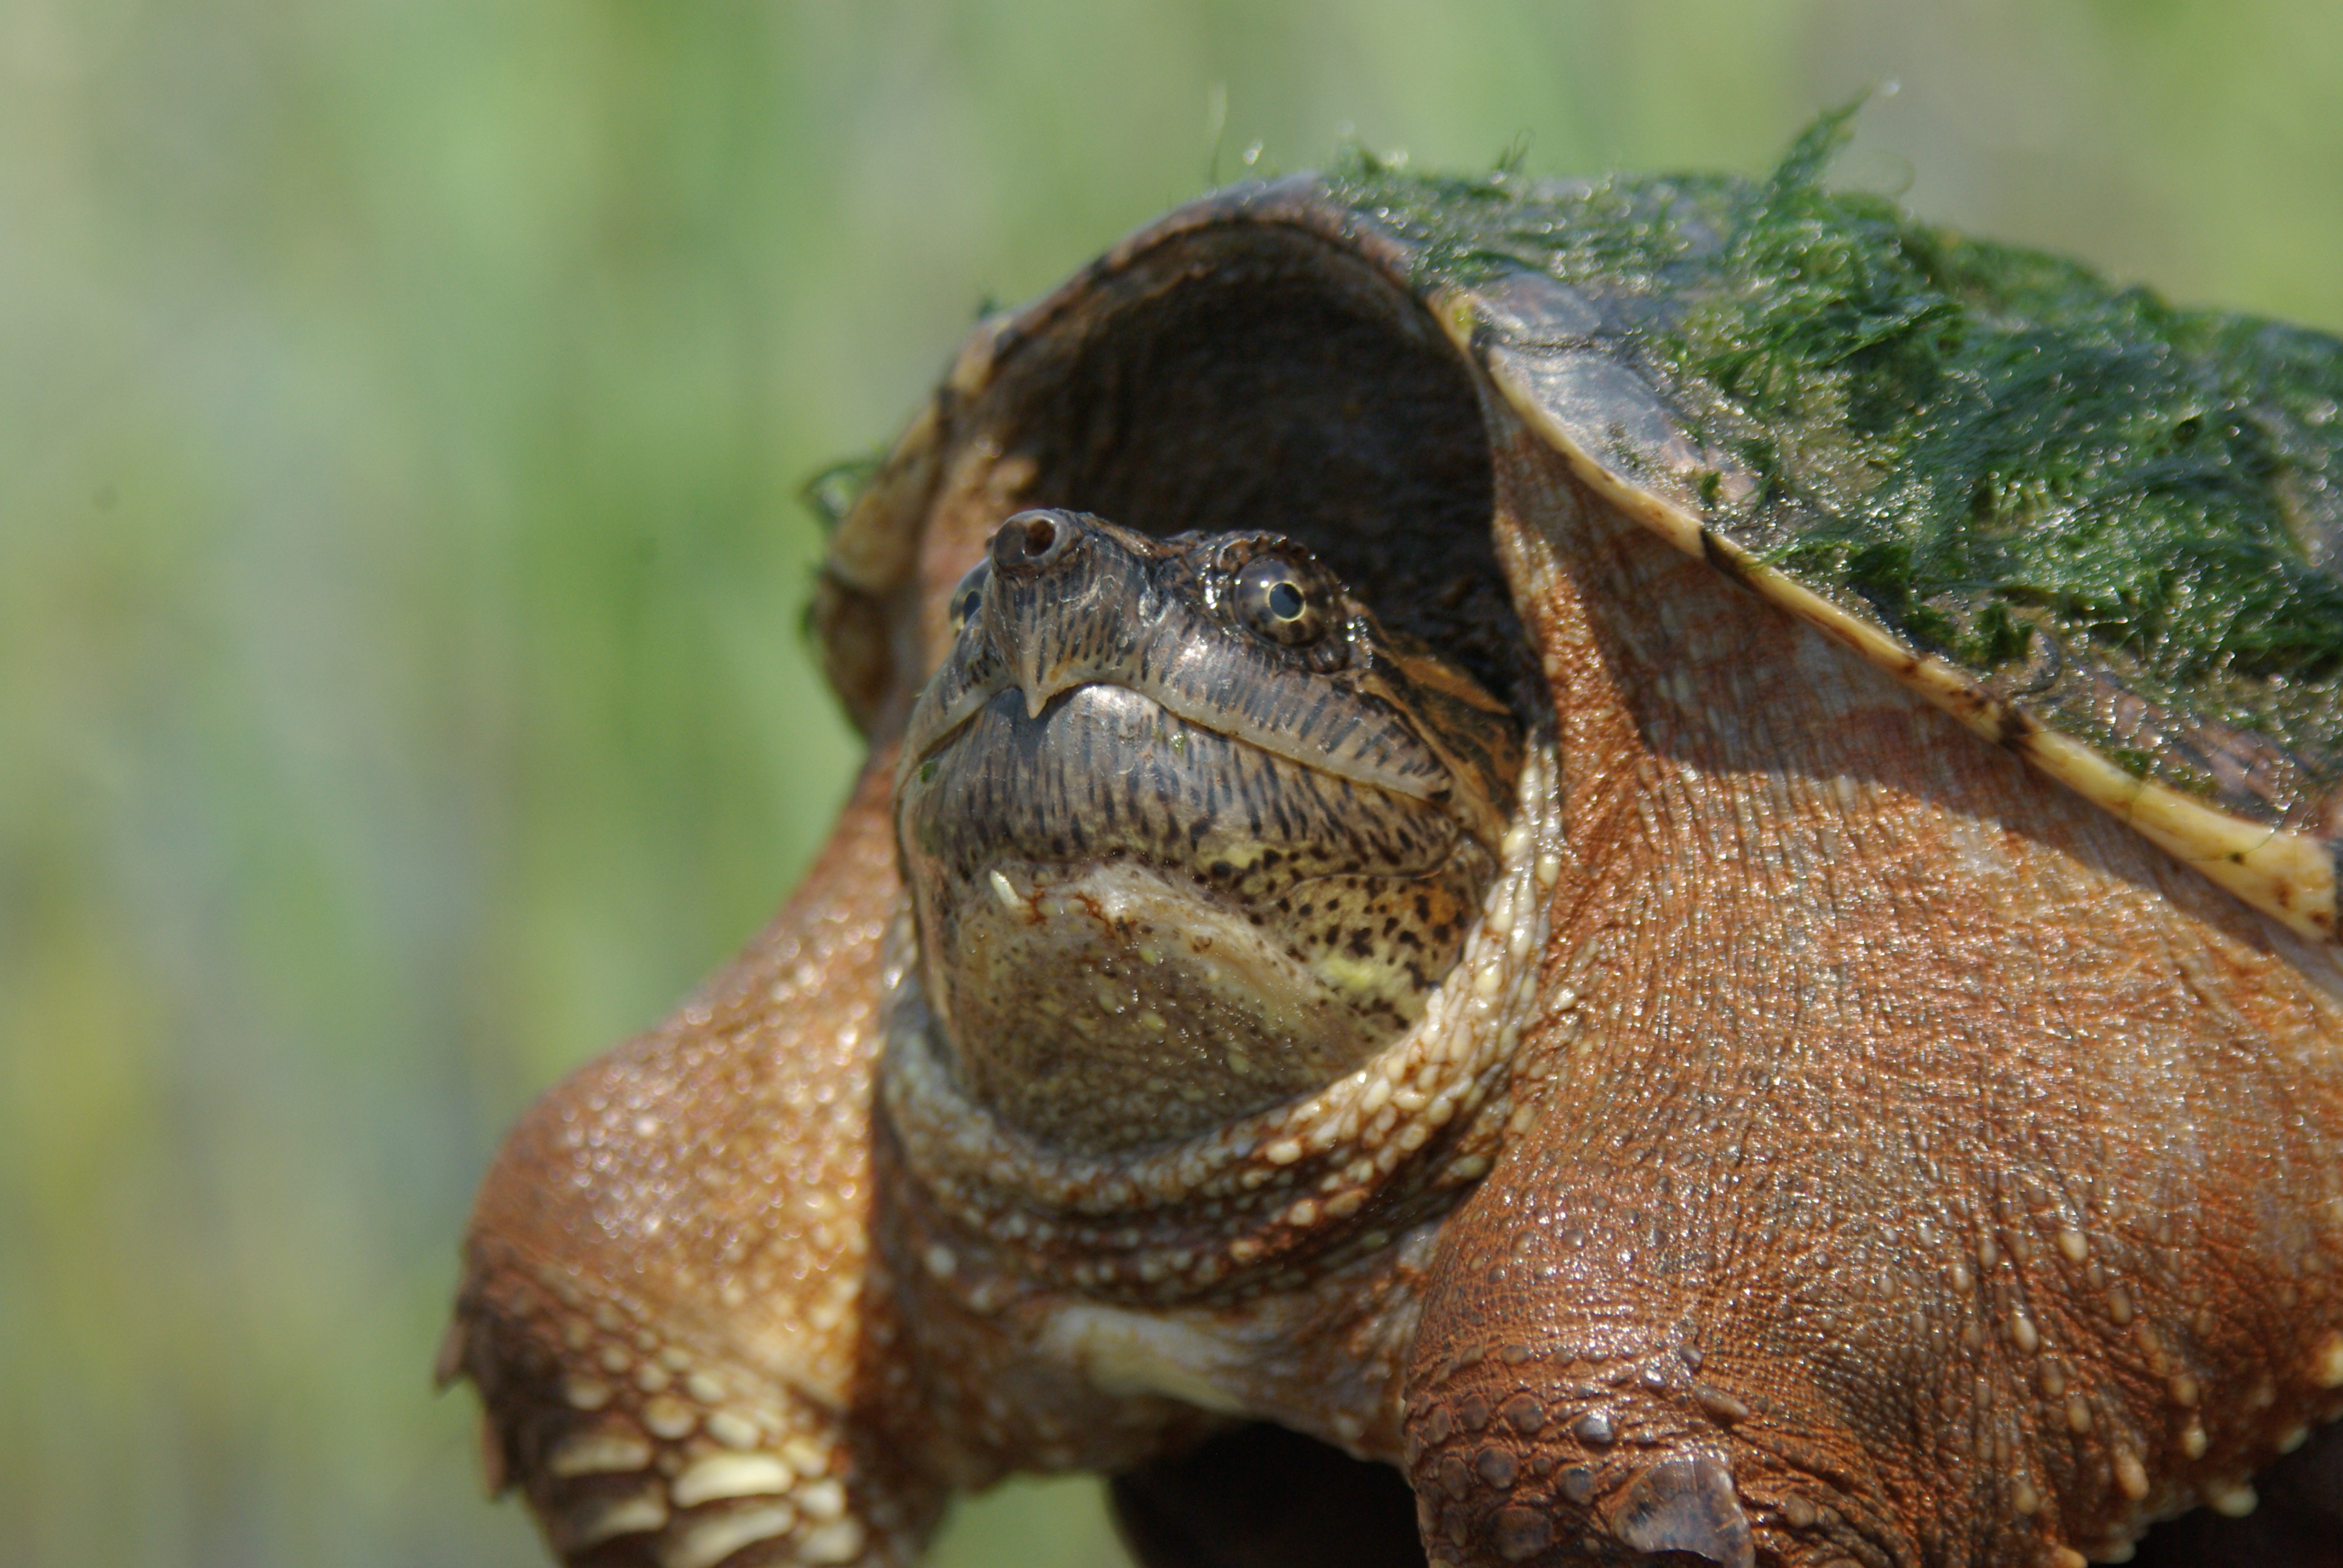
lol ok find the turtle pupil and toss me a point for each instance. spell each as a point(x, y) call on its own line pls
point(1285, 601)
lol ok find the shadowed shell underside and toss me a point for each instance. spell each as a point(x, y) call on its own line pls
point(1827, 1139)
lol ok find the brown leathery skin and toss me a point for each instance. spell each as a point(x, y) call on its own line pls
point(670, 1304)
point(1930, 1171)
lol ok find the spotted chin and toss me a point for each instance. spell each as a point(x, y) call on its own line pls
point(1132, 927)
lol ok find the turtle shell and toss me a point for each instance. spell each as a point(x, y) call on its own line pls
point(2102, 532)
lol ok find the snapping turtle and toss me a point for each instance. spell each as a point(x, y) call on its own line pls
point(1653, 859)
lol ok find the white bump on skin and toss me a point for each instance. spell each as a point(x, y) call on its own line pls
point(839, 1542)
point(823, 1499)
point(731, 1475)
point(669, 1417)
point(604, 1519)
point(705, 1543)
point(2071, 1243)
point(732, 1429)
point(2326, 1363)
point(2233, 1499)
point(586, 1393)
point(597, 1453)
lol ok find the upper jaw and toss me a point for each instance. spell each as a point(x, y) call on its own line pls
point(1101, 613)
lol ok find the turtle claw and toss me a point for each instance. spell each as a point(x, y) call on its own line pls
point(1686, 1505)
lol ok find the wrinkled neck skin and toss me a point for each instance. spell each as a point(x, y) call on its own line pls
point(1267, 1268)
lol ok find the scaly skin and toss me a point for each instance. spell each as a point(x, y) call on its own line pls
point(670, 1307)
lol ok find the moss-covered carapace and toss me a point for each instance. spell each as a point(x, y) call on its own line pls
point(2123, 517)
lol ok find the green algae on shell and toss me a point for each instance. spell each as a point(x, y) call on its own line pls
point(2102, 529)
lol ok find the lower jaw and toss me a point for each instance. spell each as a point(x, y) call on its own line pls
point(1114, 1009)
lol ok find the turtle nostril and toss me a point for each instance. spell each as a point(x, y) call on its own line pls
point(1032, 541)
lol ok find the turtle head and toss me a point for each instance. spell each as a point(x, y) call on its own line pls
point(1187, 831)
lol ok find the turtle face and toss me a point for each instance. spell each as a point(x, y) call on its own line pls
point(1187, 832)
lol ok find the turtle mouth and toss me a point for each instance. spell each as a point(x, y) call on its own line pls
point(1134, 927)
point(1140, 713)
point(1103, 770)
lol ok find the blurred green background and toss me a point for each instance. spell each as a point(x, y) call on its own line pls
point(402, 403)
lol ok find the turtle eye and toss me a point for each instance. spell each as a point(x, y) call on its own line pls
point(968, 595)
point(1283, 600)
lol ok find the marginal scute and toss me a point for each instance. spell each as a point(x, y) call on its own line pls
point(1534, 309)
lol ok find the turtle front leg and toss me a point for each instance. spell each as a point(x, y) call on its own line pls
point(671, 1306)
point(1912, 1165)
